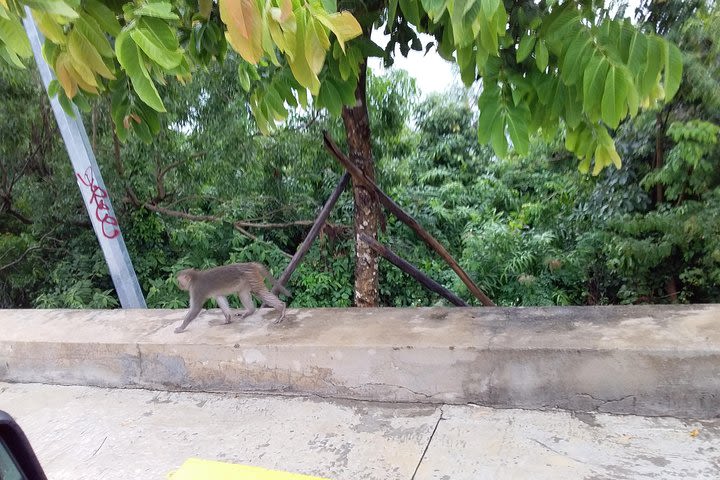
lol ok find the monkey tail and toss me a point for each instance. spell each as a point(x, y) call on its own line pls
point(274, 282)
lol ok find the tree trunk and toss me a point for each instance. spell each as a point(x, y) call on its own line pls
point(357, 128)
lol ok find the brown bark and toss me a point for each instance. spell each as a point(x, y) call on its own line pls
point(413, 271)
point(357, 128)
point(671, 289)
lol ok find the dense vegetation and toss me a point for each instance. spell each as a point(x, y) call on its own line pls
point(530, 229)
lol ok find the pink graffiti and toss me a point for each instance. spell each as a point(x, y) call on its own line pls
point(108, 222)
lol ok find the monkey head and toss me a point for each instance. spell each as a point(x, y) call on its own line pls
point(184, 278)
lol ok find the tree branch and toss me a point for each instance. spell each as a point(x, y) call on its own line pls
point(20, 217)
point(27, 250)
point(213, 218)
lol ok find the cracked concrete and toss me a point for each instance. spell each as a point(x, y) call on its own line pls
point(649, 360)
point(87, 433)
point(429, 442)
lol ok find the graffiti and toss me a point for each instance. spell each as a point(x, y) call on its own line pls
point(108, 223)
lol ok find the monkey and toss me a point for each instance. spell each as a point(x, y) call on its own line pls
point(241, 278)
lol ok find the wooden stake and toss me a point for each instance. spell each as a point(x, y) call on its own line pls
point(407, 219)
point(314, 231)
point(411, 270)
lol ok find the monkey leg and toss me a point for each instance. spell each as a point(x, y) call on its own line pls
point(189, 317)
point(274, 302)
point(225, 307)
point(248, 303)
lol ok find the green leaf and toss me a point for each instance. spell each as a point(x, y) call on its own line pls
point(10, 58)
point(576, 58)
point(489, 106)
point(410, 11)
point(156, 9)
point(343, 25)
point(346, 89)
point(150, 116)
point(564, 23)
point(490, 7)
point(128, 55)
point(141, 129)
point(499, 141)
point(609, 112)
point(299, 65)
point(633, 98)
point(276, 104)
point(105, 17)
point(541, 55)
point(243, 78)
point(517, 124)
point(637, 58)
point(594, 86)
point(161, 34)
point(654, 64)
point(49, 27)
point(673, 70)
point(91, 30)
point(434, 8)
point(330, 98)
point(82, 103)
point(205, 8)
point(392, 13)
point(84, 53)
point(488, 33)
point(13, 34)
point(53, 88)
point(527, 42)
point(66, 104)
point(613, 101)
point(573, 106)
point(368, 48)
point(157, 41)
point(56, 7)
point(481, 58)
point(330, 6)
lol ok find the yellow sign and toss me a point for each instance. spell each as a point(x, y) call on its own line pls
point(197, 469)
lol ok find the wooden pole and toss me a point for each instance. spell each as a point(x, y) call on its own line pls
point(314, 231)
point(411, 270)
point(407, 219)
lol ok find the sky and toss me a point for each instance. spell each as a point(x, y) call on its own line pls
point(431, 73)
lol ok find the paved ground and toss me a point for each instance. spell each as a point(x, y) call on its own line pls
point(94, 433)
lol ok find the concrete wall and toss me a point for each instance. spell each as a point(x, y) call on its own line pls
point(648, 360)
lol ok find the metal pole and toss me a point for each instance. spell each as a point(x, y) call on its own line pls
point(92, 187)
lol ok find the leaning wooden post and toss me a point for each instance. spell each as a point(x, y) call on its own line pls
point(407, 219)
point(314, 231)
point(413, 271)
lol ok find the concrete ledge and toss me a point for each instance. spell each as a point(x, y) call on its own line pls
point(645, 360)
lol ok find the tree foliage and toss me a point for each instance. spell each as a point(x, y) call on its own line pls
point(542, 65)
point(529, 228)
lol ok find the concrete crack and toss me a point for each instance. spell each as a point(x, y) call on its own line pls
point(98, 449)
point(558, 452)
point(606, 400)
point(140, 362)
point(399, 387)
point(427, 446)
point(563, 454)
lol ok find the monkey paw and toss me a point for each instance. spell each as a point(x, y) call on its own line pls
point(179, 330)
